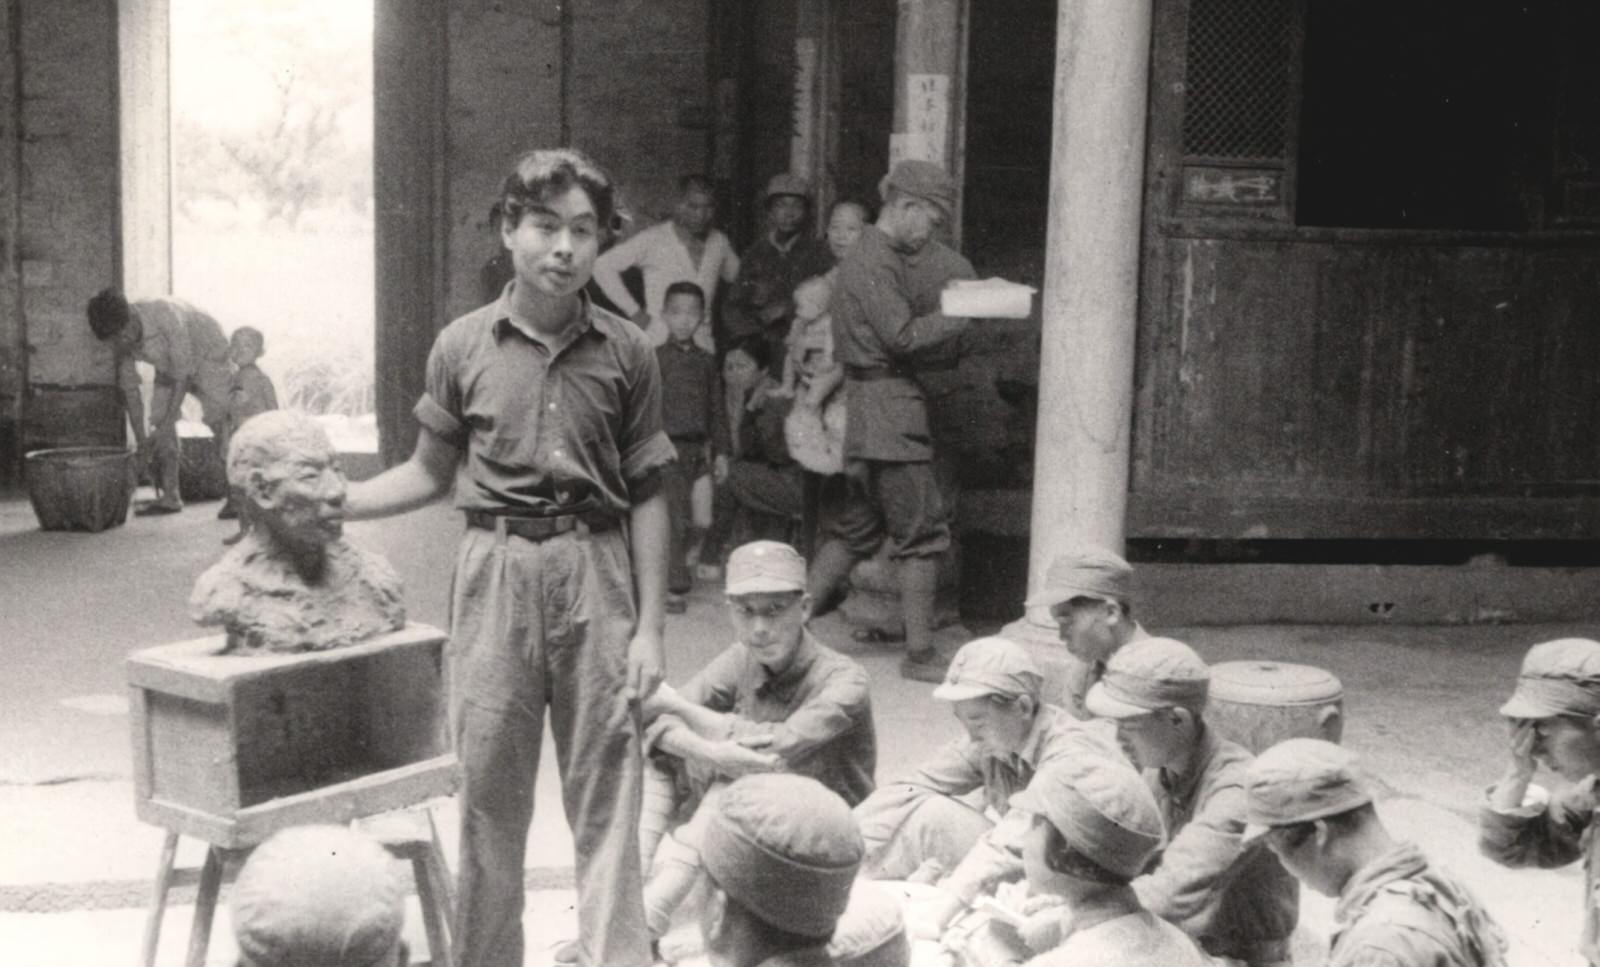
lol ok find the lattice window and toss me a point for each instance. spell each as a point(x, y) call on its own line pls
point(1236, 84)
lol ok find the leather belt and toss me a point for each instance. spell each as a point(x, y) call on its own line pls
point(540, 528)
point(867, 374)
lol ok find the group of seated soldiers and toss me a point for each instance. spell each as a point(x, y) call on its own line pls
point(1134, 836)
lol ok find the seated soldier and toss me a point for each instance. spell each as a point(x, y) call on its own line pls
point(1308, 800)
point(319, 896)
point(1555, 719)
point(781, 853)
point(993, 687)
point(1236, 901)
point(1095, 827)
point(777, 700)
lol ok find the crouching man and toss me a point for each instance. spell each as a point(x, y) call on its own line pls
point(1235, 900)
point(1555, 719)
point(1308, 800)
point(993, 687)
point(777, 700)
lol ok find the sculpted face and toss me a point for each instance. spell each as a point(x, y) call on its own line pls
point(301, 501)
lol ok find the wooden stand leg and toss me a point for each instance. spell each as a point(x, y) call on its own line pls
point(205, 907)
point(446, 879)
point(158, 900)
point(432, 919)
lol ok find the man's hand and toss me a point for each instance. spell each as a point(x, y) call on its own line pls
point(927, 919)
point(644, 666)
point(1046, 925)
point(641, 317)
point(1508, 793)
point(733, 760)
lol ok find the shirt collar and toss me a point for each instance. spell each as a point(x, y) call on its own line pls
point(784, 249)
point(1032, 749)
point(1402, 862)
point(503, 321)
point(785, 681)
point(1181, 786)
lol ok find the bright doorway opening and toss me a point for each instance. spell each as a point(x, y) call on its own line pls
point(272, 210)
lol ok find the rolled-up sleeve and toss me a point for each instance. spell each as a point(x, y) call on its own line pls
point(439, 408)
point(644, 447)
point(1544, 832)
point(831, 712)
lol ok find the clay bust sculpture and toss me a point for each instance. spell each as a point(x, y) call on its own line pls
point(293, 583)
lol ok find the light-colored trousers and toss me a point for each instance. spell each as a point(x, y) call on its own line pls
point(537, 626)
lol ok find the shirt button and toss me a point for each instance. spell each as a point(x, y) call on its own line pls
point(552, 406)
point(558, 453)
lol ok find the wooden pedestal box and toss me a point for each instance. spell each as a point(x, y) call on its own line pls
point(230, 748)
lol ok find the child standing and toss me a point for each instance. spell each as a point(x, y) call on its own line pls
point(688, 406)
point(250, 392)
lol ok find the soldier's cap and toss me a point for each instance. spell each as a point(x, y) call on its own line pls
point(318, 896)
point(1560, 677)
point(1102, 807)
point(990, 666)
point(765, 567)
point(1299, 780)
point(787, 848)
point(1086, 571)
point(924, 180)
point(786, 184)
point(1147, 675)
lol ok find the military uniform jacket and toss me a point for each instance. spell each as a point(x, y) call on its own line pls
point(876, 328)
point(1398, 911)
point(1550, 832)
point(1237, 901)
point(962, 767)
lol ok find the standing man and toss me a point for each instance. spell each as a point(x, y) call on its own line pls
point(190, 356)
point(685, 248)
point(1555, 719)
point(1236, 901)
point(1307, 799)
point(762, 298)
point(1089, 592)
point(546, 413)
point(893, 487)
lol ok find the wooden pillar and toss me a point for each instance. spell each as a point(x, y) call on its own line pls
point(143, 35)
point(1090, 299)
point(929, 85)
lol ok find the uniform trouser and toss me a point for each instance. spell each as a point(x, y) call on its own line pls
point(677, 482)
point(536, 625)
point(902, 501)
point(165, 455)
point(938, 828)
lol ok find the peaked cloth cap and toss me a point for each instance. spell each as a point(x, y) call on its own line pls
point(1102, 807)
point(1299, 780)
point(1149, 674)
point(925, 180)
point(1560, 677)
point(318, 896)
point(765, 567)
point(1085, 571)
point(786, 184)
point(787, 848)
point(990, 666)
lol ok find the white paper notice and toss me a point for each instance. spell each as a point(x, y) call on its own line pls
point(928, 112)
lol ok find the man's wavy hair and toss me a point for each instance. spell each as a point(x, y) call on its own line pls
point(108, 314)
point(542, 175)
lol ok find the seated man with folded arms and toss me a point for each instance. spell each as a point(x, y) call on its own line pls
point(1094, 827)
point(777, 700)
point(993, 687)
point(1236, 901)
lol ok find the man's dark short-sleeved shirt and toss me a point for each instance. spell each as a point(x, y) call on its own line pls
point(547, 432)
